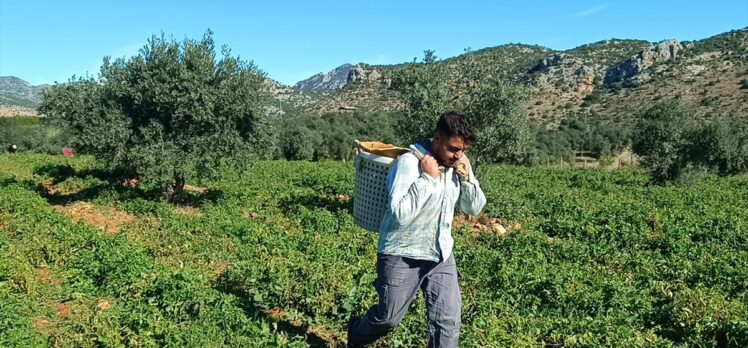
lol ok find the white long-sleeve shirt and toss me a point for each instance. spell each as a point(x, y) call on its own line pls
point(418, 221)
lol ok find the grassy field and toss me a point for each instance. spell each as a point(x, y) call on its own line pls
point(272, 258)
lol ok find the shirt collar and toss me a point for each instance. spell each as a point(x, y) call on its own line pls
point(424, 146)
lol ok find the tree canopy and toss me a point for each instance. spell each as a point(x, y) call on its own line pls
point(174, 110)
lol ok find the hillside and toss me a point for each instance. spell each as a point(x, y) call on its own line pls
point(18, 97)
point(286, 99)
point(611, 78)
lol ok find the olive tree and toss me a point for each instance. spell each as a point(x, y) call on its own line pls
point(494, 105)
point(426, 95)
point(661, 138)
point(174, 111)
point(721, 145)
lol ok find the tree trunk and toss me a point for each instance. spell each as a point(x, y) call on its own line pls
point(175, 192)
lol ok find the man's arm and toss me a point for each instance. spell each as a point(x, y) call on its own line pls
point(409, 188)
point(472, 199)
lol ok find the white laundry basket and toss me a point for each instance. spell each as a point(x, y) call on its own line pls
point(370, 199)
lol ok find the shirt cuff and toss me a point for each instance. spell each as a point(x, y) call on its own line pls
point(466, 181)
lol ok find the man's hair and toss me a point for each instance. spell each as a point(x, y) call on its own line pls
point(453, 123)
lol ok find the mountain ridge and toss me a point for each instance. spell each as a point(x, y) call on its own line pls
point(607, 77)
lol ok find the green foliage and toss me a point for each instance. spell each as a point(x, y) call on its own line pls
point(426, 96)
point(731, 44)
point(497, 111)
point(111, 264)
point(661, 137)
point(494, 106)
point(15, 324)
point(332, 135)
point(592, 98)
point(32, 134)
point(721, 145)
point(173, 111)
point(606, 161)
point(673, 143)
point(585, 133)
point(626, 264)
point(609, 52)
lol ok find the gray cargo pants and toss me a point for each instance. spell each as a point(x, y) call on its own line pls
point(398, 280)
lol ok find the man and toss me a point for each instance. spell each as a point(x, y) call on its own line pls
point(13, 148)
point(415, 238)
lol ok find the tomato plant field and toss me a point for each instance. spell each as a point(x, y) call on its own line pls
point(272, 257)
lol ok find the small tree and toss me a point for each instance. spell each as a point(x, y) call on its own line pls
point(661, 138)
point(172, 112)
point(498, 114)
point(494, 106)
point(426, 95)
point(721, 145)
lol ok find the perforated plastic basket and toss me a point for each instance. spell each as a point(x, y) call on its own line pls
point(370, 199)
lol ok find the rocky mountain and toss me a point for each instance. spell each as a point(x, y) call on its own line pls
point(15, 92)
point(611, 78)
point(18, 97)
point(330, 81)
point(635, 66)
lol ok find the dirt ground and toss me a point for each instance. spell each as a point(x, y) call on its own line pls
point(10, 111)
point(108, 220)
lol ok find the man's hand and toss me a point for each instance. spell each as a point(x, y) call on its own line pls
point(462, 168)
point(429, 166)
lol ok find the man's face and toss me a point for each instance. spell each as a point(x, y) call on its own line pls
point(448, 150)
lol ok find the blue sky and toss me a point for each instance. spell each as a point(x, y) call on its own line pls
point(47, 41)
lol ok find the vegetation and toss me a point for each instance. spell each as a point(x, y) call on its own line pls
point(269, 255)
point(426, 96)
point(673, 142)
point(602, 259)
point(508, 60)
point(170, 112)
point(587, 133)
point(332, 136)
point(495, 107)
point(32, 134)
point(609, 52)
point(731, 44)
point(721, 145)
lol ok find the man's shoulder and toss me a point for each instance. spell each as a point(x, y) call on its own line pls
point(407, 164)
point(407, 159)
point(408, 156)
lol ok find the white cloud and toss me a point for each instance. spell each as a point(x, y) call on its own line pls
point(587, 12)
